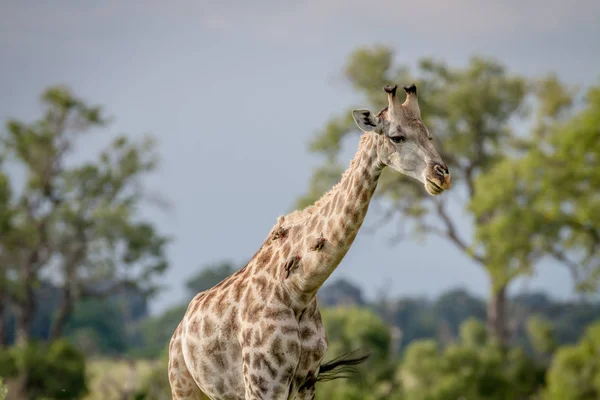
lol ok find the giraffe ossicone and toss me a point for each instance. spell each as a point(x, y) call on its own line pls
point(258, 334)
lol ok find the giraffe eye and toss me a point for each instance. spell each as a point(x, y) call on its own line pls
point(398, 139)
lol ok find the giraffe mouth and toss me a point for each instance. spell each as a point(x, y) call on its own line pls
point(433, 188)
point(438, 182)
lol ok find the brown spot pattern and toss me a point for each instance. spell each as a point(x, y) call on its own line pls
point(265, 257)
point(306, 333)
point(293, 348)
point(261, 285)
point(277, 313)
point(277, 351)
point(237, 290)
point(247, 337)
point(220, 362)
point(364, 197)
point(288, 330)
point(208, 326)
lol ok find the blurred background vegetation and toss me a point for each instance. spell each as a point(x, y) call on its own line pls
point(79, 264)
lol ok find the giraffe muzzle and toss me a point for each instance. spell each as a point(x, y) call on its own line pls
point(438, 179)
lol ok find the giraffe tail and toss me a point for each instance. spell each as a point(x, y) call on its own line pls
point(341, 367)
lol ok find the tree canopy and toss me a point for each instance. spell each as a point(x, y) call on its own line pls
point(545, 199)
point(75, 223)
point(483, 119)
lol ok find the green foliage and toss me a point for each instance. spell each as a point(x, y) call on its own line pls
point(525, 196)
point(155, 385)
point(541, 334)
point(543, 202)
point(98, 327)
point(455, 306)
point(472, 365)
point(471, 368)
point(8, 363)
point(3, 389)
point(575, 370)
point(530, 195)
point(55, 371)
point(79, 218)
point(352, 329)
point(470, 111)
point(416, 318)
point(473, 333)
point(467, 109)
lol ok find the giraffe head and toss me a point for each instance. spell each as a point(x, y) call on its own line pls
point(406, 144)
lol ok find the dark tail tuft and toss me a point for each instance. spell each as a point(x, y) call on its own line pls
point(341, 367)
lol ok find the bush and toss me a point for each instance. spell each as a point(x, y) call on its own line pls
point(155, 385)
point(3, 389)
point(474, 368)
point(8, 364)
point(352, 329)
point(55, 371)
point(575, 370)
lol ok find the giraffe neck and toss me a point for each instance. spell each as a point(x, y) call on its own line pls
point(337, 217)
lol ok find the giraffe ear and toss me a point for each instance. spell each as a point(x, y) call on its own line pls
point(367, 122)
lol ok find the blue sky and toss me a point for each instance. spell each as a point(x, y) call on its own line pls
point(234, 91)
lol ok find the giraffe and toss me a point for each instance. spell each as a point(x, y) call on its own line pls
point(258, 334)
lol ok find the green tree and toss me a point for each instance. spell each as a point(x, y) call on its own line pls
point(48, 371)
point(472, 333)
point(357, 329)
point(78, 221)
point(414, 317)
point(568, 319)
point(155, 386)
point(5, 225)
point(544, 201)
point(470, 111)
point(541, 335)
point(3, 389)
point(455, 306)
point(473, 368)
point(98, 327)
point(575, 370)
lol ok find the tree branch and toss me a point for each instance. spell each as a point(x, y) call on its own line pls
point(452, 234)
point(70, 266)
point(572, 266)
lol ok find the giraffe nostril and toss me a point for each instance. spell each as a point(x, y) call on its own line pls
point(441, 170)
